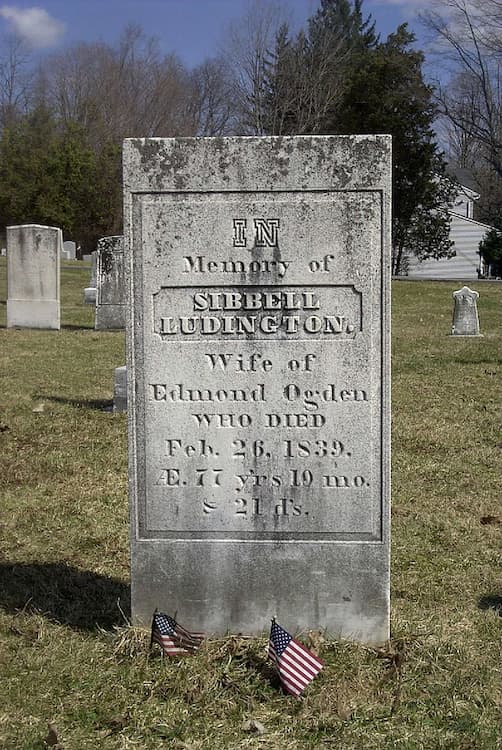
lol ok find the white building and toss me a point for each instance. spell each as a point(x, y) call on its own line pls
point(466, 234)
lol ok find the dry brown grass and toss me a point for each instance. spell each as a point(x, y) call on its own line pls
point(67, 655)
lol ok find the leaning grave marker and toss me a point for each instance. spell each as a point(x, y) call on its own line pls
point(258, 381)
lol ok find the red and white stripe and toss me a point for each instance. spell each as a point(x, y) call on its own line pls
point(168, 645)
point(297, 666)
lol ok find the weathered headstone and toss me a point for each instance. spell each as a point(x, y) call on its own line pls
point(90, 292)
point(120, 389)
point(258, 381)
point(69, 250)
point(110, 296)
point(465, 313)
point(33, 267)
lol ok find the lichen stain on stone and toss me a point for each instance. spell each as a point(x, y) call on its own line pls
point(163, 160)
point(106, 257)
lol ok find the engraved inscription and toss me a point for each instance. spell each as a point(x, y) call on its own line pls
point(330, 312)
point(261, 390)
point(265, 232)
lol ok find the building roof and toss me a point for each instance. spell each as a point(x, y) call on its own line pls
point(463, 176)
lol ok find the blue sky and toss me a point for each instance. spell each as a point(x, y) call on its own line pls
point(193, 29)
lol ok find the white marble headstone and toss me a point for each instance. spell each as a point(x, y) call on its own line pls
point(70, 250)
point(465, 313)
point(33, 268)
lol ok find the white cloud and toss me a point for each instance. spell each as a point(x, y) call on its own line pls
point(34, 25)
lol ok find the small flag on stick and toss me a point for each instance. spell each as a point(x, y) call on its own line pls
point(172, 638)
point(296, 665)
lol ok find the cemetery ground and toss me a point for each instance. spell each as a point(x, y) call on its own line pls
point(67, 655)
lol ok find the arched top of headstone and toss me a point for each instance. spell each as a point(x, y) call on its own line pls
point(465, 294)
point(32, 226)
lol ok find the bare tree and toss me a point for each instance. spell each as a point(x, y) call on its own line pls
point(248, 47)
point(16, 79)
point(118, 92)
point(211, 101)
point(309, 80)
point(469, 39)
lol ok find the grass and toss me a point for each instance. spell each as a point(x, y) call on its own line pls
point(67, 656)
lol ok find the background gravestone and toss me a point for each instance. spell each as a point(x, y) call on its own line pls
point(70, 250)
point(120, 389)
point(258, 381)
point(110, 295)
point(90, 292)
point(33, 269)
point(465, 313)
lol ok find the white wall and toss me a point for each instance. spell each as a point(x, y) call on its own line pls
point(466, 235)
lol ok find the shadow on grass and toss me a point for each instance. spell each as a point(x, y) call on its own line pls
point(79, 598)
point(492, 601)
point(79, 403)
point(264, 667)
point(76, 328)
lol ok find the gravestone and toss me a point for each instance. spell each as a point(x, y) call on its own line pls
point(90, 292)
point(465, 313)
point(69, 250)
point(3, 251)
point(120, 390)
point(110, 295)
point(258, 382)
point(33, 268)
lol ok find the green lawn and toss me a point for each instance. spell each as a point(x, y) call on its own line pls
point(67, 656)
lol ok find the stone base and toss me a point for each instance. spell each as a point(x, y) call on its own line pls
point(466, 335)
point(120, 390)
point(234, 587)
point(90, 295)
point(27, 313)
point(109, 317)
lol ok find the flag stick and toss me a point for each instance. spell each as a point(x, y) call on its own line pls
point(153, 625)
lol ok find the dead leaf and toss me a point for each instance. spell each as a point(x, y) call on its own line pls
point(343, 710)
point(315, 640)
point(394, 657)
point(117, 723)
point(52, 739)
point(253, 726)
point(491, 520)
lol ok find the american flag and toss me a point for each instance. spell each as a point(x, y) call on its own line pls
point(172, 638)
point(297, 666)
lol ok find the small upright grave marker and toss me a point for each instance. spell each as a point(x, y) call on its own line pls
point(110, 296)
point(258, 381)
point(33, 267)
point(465, 313)
point(90, 292)
point(69, 250)
point(120, 389)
